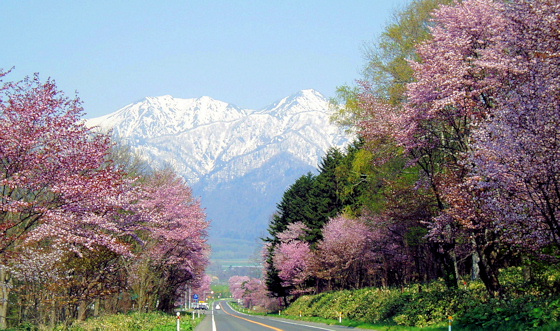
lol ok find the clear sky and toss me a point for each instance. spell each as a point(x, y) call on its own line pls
point(248, 53)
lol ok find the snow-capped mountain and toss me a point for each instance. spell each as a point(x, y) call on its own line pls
point(240, 161)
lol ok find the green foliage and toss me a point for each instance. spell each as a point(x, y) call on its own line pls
point(155, 321)
point(512, 314)
point(346, 114)
point(221, 290)
point(294, 207)
point(533, 301)
point(364, 183)
point(388, 68)
point(528, 305)
point(324, 198)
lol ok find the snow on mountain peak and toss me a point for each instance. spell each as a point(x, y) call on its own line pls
point(207, 138)
point(304, 100)
point(239, 161)
point(165, 115)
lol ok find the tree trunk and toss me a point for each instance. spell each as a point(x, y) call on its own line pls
point(142, 299)
point(475, 273)
point(165, 303)
point(82, 311)
point(446, 254)
point(53, 314)
point(487, 265)
point(6, 285)
point(527, 269)
point(489, 277)
point(96, 308)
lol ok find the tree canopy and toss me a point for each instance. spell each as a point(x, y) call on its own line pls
point(455, 171)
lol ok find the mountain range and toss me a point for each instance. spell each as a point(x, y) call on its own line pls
point(238, 161)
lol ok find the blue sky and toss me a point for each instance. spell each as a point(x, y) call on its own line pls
point(249, 53)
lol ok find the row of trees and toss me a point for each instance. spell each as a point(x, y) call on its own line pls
point(456, 172)
point(84, 225)
point(375, 237)
point(252, 293)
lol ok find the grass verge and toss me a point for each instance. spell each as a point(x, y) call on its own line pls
point(154, 321)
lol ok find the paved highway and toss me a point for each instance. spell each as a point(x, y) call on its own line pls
point(225, 318)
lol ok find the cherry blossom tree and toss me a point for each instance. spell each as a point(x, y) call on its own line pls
point(291, 257)
point(236, 286)
point(58, 185)
point(174, 252)
point(55, 177)
point(453, 92)
point(201, 287)
point(514, 169)
point(345, 254)
point(252, 292)
point(74, 227)
point(483, 106)
point(286, 261)
point(39, 283)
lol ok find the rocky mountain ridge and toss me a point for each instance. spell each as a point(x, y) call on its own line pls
point(239, 161)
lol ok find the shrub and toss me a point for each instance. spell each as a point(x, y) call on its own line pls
point(530, 304)
point(156, 321)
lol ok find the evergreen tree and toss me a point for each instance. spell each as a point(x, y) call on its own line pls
point(312, 200)
point(324, 197)
point(294, 206)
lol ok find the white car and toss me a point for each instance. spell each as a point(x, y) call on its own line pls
point(218, 307)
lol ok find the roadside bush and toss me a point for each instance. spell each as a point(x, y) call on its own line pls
point(156, 321)
point(530, 304)
point(433, 307)
point(514, 314)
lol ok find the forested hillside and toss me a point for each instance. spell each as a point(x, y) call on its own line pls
point(455, 175)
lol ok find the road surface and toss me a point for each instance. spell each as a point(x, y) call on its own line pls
point(226, 319)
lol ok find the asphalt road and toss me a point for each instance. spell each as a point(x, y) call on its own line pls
point(226, 319)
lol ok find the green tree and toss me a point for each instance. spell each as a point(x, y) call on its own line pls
point(379, 100)
point(324, 198)
point(388, 68)
point(293, 207)
point(312, 200)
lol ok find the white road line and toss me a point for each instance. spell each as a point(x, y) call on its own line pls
point(213, 321)
point(306, 325)
point(283, 321)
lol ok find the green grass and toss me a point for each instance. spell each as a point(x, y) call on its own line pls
point(532, 304)
point(154, 321)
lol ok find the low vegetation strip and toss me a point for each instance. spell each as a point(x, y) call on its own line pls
point(155, 321)
point(528, 305)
